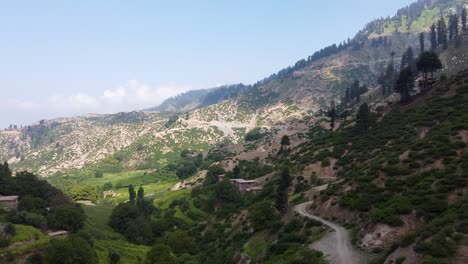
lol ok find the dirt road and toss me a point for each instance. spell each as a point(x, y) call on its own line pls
point(335, 245)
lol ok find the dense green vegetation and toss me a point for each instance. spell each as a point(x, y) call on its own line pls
point(396, 169)
point(107, 242)
point(206, 224)
point(394, 163)
point(41, 207)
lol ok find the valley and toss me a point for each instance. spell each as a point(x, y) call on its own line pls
point(356, 154)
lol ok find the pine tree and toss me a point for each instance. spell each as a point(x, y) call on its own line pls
point(363, 118)
point(282, 192)
point(140, 196)
point(421, 42)
point(407, 60)
point(442, 33)
point(332, 115)
point(428, 62)
point(387, 79)
point(131, 193)
point(347, 97)
point(463, 19)
point(405, 84)
point(5, 169)
point(285, 141)
point(433, 37)
point(453, 27)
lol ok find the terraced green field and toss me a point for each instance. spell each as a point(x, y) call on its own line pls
point(26, 238)
point(151, 190)
point(106, 240)
point(164, 201)
point(85, 187)
point(152, 184)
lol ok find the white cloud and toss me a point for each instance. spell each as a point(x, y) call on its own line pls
point(134, 95)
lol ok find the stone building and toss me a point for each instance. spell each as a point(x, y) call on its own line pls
point(245, 185)
point(9, 202)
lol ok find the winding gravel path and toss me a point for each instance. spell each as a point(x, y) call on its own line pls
point(335, 245)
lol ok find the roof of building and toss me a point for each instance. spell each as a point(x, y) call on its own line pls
point(8, 198)
point(256, 188)
point(244, 181)
point(58, 233)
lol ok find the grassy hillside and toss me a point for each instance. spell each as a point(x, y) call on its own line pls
point(404, 175)
point(27, 238)
point(106, 240)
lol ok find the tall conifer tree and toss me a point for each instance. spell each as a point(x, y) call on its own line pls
point(131, 193)
point(463, 19)
point(433, 37)
point(442, 33)
point(421, 42)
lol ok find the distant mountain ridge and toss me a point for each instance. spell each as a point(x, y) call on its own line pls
point(416, 17)
point(227, 113)
point(195, 99)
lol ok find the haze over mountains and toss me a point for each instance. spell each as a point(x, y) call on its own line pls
point(292, 93)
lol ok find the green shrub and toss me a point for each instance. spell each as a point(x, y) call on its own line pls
point(35, 258)
point(10, 229)
point(4, 242)
point(293, 225)
point(325, 163)
point(254, 134)
point(262, 215)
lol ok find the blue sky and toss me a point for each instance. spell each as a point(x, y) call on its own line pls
point(65, 58)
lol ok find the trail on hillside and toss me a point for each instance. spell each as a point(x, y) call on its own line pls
point(335, 245)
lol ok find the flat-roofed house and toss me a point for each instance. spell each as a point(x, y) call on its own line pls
point(243, 185)
point(9, 202)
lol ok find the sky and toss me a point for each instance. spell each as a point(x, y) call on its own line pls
point(68, 58)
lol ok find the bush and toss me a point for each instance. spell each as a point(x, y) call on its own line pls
point(185, 169)
point(312, 222)
point(35, 259)
point(293, 225)
point(227, 193)
point(4, 242)
point(438, 246)
point(462, 227)
point(386, 216)
point(262, 214)
point(254, 134)
point(325, 162)
point(107, 186)
point(10, 229)
point(98, 174)
point(32, 204)
point(132, 221)
point(180, 243)
point(160, 253)
point(114, 257)
point(68, 217)
point(71, 250)
point(29, 218)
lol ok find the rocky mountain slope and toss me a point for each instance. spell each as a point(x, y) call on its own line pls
point(295, 93)
point(395, 176)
